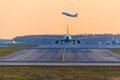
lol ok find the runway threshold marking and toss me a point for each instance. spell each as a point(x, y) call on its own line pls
point(96, 53)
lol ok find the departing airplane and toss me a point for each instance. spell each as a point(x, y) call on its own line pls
point(71, 15)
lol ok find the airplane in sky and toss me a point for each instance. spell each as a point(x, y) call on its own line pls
point(71, 15)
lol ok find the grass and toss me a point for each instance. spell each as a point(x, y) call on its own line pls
point(6, 51)
point(14, 48)
point(115, 50)
point(59, 73)
point(21, 46)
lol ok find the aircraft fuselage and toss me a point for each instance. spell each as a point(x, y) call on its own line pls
point(67, 38)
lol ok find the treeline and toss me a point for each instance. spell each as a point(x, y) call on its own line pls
point(84, 38)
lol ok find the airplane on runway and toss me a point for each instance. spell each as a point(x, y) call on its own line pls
point(71, 15)
point(67, 38)
point(7, 42)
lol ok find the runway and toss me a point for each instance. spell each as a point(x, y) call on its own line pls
point(64, 55)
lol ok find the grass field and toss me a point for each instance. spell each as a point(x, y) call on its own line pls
point(21, 46)
point(59, 73)
point(5, 51)
point(115, 50)
point(14, 48)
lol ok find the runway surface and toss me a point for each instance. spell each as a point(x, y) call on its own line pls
point(65, 54)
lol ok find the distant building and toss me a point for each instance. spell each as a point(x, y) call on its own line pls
point(113, 42)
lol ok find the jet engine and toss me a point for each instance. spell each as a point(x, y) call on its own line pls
point(56, 42)
point(78, 42)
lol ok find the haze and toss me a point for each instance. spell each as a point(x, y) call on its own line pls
point(35, 17)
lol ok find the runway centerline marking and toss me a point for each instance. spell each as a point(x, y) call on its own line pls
point(63, 54)
point(101, 56)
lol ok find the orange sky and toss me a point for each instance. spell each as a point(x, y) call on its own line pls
point(29, 17)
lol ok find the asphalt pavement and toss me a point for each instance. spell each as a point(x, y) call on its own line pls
point(63, 54)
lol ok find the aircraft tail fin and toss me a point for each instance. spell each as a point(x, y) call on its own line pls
point(67, 29)
point(76, 14)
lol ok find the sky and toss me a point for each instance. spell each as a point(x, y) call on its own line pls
point(37, 17)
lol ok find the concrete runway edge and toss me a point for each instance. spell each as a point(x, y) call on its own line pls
point(60, 63)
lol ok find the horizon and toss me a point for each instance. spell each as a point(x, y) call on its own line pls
point(41, 17)
point(60, 35)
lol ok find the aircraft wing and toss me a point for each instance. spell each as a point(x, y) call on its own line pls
point(89, 37)
point(54, 38)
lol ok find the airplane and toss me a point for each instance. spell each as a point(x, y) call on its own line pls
point(67, 38)
point(7, 42)
point(71, 15)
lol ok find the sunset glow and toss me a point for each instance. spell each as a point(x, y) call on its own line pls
point(35, 17)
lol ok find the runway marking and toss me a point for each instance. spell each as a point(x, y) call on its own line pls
point(25, 56)
point(96, 53)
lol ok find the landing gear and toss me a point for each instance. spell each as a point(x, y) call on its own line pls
point(61, 42)
point(73, 42)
